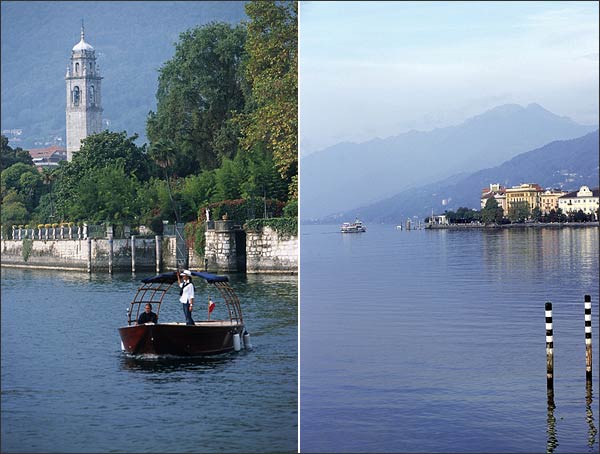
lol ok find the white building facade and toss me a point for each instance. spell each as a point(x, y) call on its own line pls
point(586, 200)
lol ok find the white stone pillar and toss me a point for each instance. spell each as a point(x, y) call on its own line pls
point(158, 253)
point(133, 254)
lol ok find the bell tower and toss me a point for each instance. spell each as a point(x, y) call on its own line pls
point(84, 107)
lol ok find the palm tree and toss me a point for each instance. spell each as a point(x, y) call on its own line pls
point(48, 178)
point(164, 154)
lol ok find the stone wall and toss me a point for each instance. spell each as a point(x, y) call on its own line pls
point(80, 254)
point(228, 249)
point(269, 252)
point(225, 247)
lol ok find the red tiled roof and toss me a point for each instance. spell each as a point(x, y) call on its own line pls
point(44, 152)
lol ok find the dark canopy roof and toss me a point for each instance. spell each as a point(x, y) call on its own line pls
point(171, 277)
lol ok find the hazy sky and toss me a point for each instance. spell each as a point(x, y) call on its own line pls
point(376, 69)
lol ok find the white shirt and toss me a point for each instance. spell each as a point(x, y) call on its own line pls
point(188, 293)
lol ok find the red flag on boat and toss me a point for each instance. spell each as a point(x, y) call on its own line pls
point(211, 306)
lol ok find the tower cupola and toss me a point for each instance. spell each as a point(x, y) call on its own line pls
point(82, 45)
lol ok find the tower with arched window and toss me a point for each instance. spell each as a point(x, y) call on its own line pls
point(84, 109)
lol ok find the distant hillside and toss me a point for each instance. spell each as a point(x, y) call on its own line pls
point(566, 164)
point(132, 40)
point(350, 175)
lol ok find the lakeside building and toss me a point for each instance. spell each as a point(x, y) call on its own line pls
point(84, 107)
point(586, 200)
point(526, 192)
point(47, 157)
point(439, 220)
point(549, 200)
point(496, 191)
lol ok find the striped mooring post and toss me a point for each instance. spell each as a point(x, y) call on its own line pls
point(549, 346)
point(588, 336)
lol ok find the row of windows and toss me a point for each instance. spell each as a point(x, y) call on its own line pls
point(77, 67)
point(76, 96)
point(578, 201)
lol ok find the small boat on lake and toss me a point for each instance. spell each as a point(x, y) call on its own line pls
point(205, 337)
point(353, 227)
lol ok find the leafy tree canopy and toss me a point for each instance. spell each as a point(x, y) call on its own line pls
point(105, 194)
point(492, 213)
point(463, 215)
point(519, 211)
point(98, 151)
point(199, 93)
point(25, 180)
point(272, 73)
point(106, 147)
point(11, 156)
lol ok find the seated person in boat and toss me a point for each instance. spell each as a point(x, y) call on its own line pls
point(147, 316)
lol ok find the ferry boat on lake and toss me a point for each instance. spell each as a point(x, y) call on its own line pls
point(353, 227)
point(205, 337)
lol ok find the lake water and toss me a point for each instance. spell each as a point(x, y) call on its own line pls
point(67, 387)
point(434, 341)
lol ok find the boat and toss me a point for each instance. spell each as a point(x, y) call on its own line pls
point(353, 227)
point(206, 337)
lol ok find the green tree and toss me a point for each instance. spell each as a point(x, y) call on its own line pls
point(492, 213)
point(519, 211)
point(97, 152)
point(463, 215)
point(228, 181)
point(580, 216)
point(272, 73)
point(26, 181)
point(11, 156)
point(106, 147)
point(156, 201)
point(14, 211)
point(197, 192)
point(165, 155)
point(199, 94)
point(106, 194)
point(261, 176)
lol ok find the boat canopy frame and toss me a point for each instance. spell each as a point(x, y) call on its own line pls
point(154, 289)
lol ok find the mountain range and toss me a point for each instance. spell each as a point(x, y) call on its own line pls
point(132, 40)
point(563, 164)
point(350, 175)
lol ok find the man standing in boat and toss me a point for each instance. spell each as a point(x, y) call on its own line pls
point(186, 294)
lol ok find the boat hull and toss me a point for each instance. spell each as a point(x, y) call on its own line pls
point(204, 338)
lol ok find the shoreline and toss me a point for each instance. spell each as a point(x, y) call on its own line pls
point(535, 225)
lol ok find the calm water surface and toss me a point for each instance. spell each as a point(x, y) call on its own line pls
point(434, 341)
point(67, 387)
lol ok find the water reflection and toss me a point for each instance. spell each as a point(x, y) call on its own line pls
point(538, 248)
point(589, 415)
point(551, 420)
point(168, 364)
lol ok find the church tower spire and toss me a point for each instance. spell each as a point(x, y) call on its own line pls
point(84, 107)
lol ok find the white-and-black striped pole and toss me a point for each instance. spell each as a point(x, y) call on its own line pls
point(549, 346)
point(588, 336)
